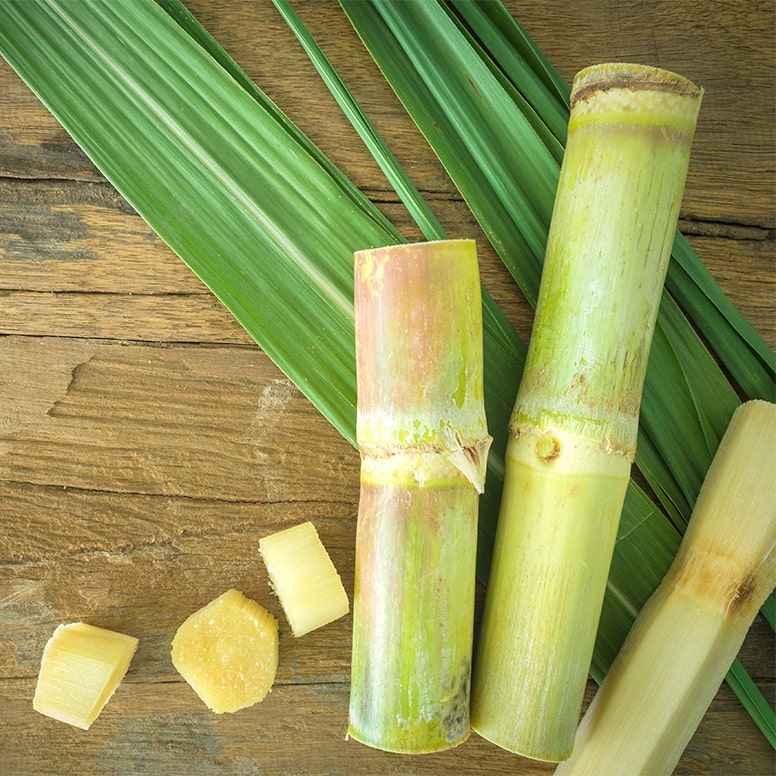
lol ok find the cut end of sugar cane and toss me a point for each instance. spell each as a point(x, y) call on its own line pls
point(81, 668)
point(228, 652)
point(615, 77)
point(685, 638)
point(304, 578)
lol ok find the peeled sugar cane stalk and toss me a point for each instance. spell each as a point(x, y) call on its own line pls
point(573, 429)
point(423, 443)
point(685, 638)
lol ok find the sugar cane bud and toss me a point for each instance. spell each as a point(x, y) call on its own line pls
point(423, 442)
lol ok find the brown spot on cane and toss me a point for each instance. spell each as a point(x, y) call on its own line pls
point(742, 593)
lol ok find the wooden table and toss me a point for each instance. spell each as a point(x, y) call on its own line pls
point(146, 443)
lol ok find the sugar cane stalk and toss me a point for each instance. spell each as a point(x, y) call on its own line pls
point(574, 425)
point(423, 444)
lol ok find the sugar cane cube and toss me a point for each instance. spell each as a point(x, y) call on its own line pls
point(228, 652)
point(81, 667)
point(304, 578)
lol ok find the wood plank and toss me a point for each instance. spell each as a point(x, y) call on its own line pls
point(127, 285)
point(254, 741)
point(65, 235)
point(203, 423)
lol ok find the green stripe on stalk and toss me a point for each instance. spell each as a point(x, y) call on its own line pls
point(423, 442)
point(574, 426)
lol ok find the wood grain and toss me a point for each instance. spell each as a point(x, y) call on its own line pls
point(146, 443)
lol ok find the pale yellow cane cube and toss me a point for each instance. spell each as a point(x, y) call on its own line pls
point(81, 667)
point(228, 652)
point(304, 578)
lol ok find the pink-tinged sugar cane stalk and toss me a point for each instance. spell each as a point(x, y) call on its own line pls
point(573, 429)
point(423, 442)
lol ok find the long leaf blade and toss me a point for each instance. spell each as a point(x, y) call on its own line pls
point(409, 195)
